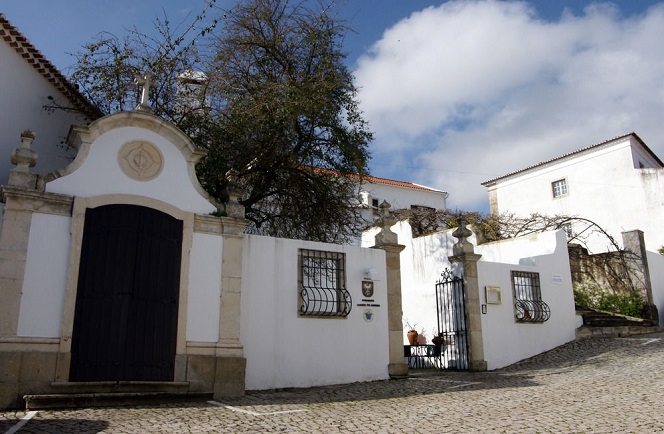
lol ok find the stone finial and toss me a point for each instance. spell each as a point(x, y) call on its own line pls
point(235, 192)
point(385, 223)
point(462, 246)
point(24, 158)
point(144, 81)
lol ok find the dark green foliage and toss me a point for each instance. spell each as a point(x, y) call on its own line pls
point(626, 302)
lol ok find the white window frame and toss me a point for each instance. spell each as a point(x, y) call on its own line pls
point(559, 188)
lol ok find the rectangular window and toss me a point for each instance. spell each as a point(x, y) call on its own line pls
point(559, 187)
point(528, 303)
point(322, 282)
point(567, 227)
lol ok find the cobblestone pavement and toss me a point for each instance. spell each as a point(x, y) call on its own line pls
point(591, 386)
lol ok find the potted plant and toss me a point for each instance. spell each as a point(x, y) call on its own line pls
point(438, 339)
point(412, 333)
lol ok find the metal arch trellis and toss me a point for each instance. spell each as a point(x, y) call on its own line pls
point(452, 321)
point(591, 226)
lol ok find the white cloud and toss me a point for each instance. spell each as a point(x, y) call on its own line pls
point(471, 90)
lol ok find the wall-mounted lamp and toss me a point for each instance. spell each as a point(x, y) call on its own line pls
point(369, 274)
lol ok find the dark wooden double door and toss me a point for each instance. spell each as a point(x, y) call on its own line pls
point(125, 322)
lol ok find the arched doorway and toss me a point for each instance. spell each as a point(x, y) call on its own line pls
point(125, 322)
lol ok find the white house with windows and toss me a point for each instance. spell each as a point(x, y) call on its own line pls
point(617, 184)
point(399, 194)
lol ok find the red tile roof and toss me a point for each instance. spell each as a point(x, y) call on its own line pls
point(376, 180)
point(578, 151)
point(12, 37)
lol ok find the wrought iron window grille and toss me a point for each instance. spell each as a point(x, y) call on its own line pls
point(322, 283)
point(528, 303)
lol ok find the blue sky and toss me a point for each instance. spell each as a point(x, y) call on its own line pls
point(457, 92)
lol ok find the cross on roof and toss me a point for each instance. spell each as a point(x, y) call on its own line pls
point(144, 81)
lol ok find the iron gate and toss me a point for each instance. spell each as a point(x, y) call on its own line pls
point(452, 324)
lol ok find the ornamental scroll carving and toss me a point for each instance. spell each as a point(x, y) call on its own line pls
point(140, 160)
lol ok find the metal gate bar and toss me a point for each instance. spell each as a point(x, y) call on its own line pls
point(452, 323)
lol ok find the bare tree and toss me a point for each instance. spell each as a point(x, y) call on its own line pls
point(277, 105)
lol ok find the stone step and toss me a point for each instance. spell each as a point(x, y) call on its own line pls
point(109, 399)
point(585, 332)
point(611, 321)
point(120, 386)
point(601, 324)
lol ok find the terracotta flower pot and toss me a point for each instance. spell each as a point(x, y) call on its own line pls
point(412, 337)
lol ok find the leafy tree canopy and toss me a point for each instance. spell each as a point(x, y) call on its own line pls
point(264, 88)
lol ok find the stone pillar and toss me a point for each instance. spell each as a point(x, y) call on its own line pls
point(465, 256)
point(230, 361)
point(637, 262)
point(16, 221)
point(387, 241)
point(14, 233)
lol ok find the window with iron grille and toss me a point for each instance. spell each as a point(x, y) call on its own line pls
point(323, 284)
point(559, 187)
point(528, 303)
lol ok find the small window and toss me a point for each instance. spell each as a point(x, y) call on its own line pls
point(374, 203)
point(528, 303)
point(559, 187)
point(567, 227)
point(323, 284)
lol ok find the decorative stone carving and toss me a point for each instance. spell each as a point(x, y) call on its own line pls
point(235, 191)
point(462, 233)
point(24, 158)
point(385, 223)
point(140, 160)
point(145, 82)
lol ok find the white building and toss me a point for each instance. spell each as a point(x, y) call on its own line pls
point(617, 184)
point(399, 194)
point(35, 96)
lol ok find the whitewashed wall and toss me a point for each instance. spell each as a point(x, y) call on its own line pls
point(284, 350)
point(401, 197)
point(656, 265)
point(43, 293)
point(605, 185)
point(100, 172)
point(23, 94)
point(204, 295)
point(505, 340)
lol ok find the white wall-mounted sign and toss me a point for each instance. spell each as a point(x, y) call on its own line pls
point(493, 295)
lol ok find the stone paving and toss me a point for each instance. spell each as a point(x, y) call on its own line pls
point(590, 386)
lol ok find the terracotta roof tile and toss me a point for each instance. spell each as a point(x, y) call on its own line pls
point(26, 50)
point(376, 180)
